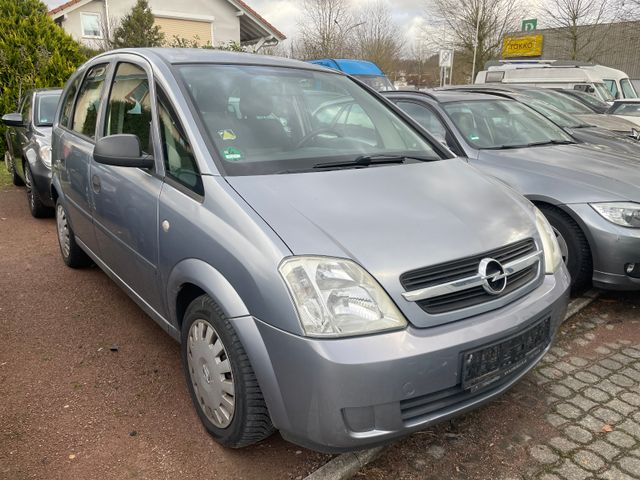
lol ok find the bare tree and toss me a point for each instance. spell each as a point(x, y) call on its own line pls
point(377, 38)
point(493, 19)
point(326, 29)
point(582, 25)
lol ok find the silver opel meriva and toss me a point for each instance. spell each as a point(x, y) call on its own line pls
point(330, 270)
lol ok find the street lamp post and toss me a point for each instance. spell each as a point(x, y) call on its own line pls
point(475, 44)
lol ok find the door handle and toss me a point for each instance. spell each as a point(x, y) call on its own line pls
point(95, 183)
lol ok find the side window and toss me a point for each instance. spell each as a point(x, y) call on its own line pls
point(129, 106)
point(627, 88)
point(426, 118)
point(85, 114)
point(179, 161)
point(67, 103)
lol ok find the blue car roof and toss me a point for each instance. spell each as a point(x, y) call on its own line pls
point(352, 67)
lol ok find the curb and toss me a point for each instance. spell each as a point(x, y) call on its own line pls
point(346, 465)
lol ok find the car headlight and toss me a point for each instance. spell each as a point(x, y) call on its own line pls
point(625, 214)
point(45, 153)
point(335, 297)
point(552, 255)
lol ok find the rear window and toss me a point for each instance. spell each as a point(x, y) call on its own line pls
point(46, 106)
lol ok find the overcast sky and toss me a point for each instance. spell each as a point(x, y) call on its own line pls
point(285, 14)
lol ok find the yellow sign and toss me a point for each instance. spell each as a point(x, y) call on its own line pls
point(527, 46)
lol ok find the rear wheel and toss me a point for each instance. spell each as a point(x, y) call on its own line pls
point(221, 381)
point(38, 209)
point(574, 247)
point(71, 253)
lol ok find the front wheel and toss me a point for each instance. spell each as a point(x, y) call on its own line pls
point(37, 208)
point(72, 255)
point(221, 381)
point(574, 247)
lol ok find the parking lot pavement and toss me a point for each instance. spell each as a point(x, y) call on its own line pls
point(576, 417)
point(90, 387)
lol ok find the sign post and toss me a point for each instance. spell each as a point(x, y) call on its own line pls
point(445, 62)
point(529, 25)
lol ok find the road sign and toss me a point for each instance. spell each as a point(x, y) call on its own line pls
point(529, 25)
point(446, 58)
point(526, 46)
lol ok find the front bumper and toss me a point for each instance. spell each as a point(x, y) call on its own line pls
point(352, 393)
point(612, 247)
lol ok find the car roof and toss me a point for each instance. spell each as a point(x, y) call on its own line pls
point(176, 56)
point(45, 90)
point(444, 95)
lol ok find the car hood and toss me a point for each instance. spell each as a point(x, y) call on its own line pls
point(606, 140)
point(390, 219)
point(610, 122)
point(566, 173)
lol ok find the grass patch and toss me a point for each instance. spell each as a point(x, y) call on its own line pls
point(5, 176)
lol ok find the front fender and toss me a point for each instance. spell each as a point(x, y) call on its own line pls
point(204, 276)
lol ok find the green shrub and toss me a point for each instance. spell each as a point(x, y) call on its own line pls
point(34, 53)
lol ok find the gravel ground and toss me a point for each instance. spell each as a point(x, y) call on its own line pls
point(576, 417)
point(90, 387)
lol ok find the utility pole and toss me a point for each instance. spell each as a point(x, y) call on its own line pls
point(475, 43)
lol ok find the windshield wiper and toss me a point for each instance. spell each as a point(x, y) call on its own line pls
point(367, 160)
point(551, 142)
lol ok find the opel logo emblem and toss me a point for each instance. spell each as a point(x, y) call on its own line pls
point(494, 278)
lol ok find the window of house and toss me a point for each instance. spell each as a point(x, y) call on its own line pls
point(85, 114)
point(129, 107)
point(91, 25)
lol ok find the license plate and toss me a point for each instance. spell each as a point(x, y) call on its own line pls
point(489, 364)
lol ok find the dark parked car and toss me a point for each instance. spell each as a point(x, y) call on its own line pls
point(590, 197)
point(325, 278)
point(28, 154)
point(588, 100)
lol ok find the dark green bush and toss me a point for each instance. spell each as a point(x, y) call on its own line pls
point(34, 53)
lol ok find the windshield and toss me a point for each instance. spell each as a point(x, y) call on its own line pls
point(46, 109)
point(556, 116)
point(265, 120)
point(380, 83)
point(560, 101)
point(627, 88)
point(491, 124)
point(630, 109)
point(603, 92)
point(595, 103)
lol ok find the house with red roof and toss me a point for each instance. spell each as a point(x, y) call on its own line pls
point(216, 22)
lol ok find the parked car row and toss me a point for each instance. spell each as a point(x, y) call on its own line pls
point(342, 266)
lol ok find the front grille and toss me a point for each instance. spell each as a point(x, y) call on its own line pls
point(464, 268)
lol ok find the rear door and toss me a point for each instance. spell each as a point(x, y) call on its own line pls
point(125, 198)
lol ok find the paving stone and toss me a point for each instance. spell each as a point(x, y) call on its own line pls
point(620, 406)
point(573, 383)
point(610, 364)
point(615, 474)
point(631, 373)
point(562, 444)
point(550, 399)
point(551, 373)
point(578, 434)
point(620, 439)
point(549, 357)
point(632, 398)
point(607, 415)
point(559, 352)
point(588, 325)
point(567, 410)
point(622, 380)
point(560, 390)
point(587, 377)
point(582, 402)
point(555, 420)
point(592, 424)
point(599, 370)
point(609, 327)
point(611, 388)
point(589, 336)
point(588, 460)
point(613, 345)
point(603, 350)
point(578, 362)
point(436, 452)
point(582, 342)
point(596, 395)
point(632, 428)
point(604, 449)
point(632, 352)
point(630, 464)
point(543, 454)
point(539, 379)
point(564, 367)
point(571, 471)
point(549, 476)
point(623, 359)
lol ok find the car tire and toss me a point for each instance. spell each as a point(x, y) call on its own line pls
point(221, 381)
point(37, 208)
point(576, 246)
point(15, 178)
point(72, 255)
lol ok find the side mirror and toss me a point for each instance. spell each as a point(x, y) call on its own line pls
point(122, 150)
point(13, 120)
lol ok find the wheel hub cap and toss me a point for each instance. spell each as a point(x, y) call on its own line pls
point(210, 373)
point(63, 231)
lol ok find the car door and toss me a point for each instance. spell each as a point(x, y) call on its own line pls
point(19, 135)
point(75, 150)
point(125, 198)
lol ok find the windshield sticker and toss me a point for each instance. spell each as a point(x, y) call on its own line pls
point(233, 154)
point(473, 136)
point(227, 134)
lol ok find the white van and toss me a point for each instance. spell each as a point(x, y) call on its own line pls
point(558, 74)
